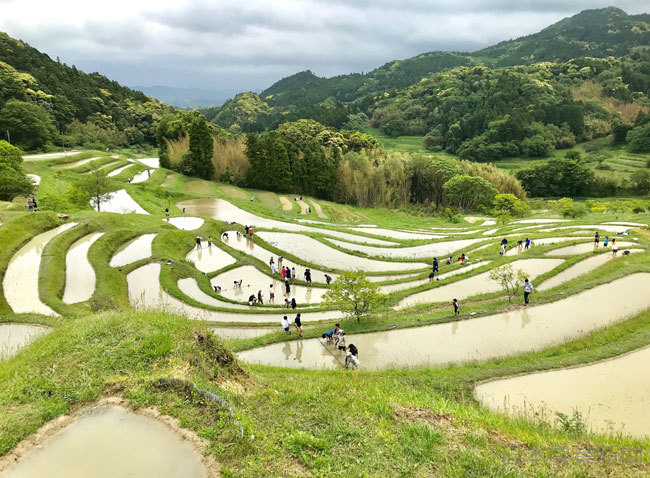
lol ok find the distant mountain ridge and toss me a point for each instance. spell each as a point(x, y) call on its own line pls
point(595, 33)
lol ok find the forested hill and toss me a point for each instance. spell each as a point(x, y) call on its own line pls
point(594, 33)
point(51, 95)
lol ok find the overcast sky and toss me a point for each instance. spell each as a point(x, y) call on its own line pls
point(238, 45)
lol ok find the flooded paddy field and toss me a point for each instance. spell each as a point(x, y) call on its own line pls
point(145, 293)
point(79, 273)
point(436, 249)
point(185, 223)
point(478, 284)
point(254, 281)
point(609, 394)
point(121, 202)
point(587, 247)
point(14, 337)
point(20, 283)
point(209, 259)
point(475, 339)
point(310, 249)
point(132, 251)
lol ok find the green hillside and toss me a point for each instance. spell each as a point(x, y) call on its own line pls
point(41, 98)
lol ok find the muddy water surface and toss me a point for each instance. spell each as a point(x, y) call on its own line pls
point(478, 284)
point(513, 250)
point(444, 274)
point(117, 171)
point(611, 395)
point(225, 211)
point(404, 235)
point(79, 273)
point(309, 249)
point(481, 338)
point(581, 268)
point(14, 337)
point(122, 203)
point(185, 223)
point(189, 287)
point(111, 442)
point(436, 249)
point(20, 284)
point(145, 293)
point(254, 281)
point(586, 247)
point(208, 259)
point(133, 251)
point(141, 176)
point(151, 162)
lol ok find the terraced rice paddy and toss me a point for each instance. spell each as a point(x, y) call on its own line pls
point(13, 337)
point(20, 283)
point(609, 394)
point(208, 259)
point(478, 284)
point(122, 203)
point(312, 250)
point(185, 223)
point(475, 339)
point(79, 273)
point(135, 250)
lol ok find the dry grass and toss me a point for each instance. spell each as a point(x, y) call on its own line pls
point(591, 90)
point(177, 148)
point(230, 153)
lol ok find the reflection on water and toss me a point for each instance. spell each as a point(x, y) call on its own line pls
point(482, 337)
point(133, 251)
point(79, 273)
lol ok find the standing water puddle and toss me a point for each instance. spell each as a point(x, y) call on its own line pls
point(513, 250)
point(611, 395)
point(208, 259)
point(133, 251)
point(145, 293)
point(14, 337)
point(478, 284)
point(79, 273)
point(482, 338)
point(111, 442)
point(20, 284)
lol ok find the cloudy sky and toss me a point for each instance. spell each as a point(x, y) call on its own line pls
point(236, 45)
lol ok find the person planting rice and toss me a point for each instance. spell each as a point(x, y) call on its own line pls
point(328, 335)
point(352, 356)
point(528, 288)
point(285, 325)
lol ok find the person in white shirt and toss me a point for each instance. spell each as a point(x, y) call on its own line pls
point(528, 288)
point(285, 325)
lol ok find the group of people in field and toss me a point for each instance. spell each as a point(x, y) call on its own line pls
point(337, 337)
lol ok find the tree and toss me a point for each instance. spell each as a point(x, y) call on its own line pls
point(199, 162)
point(429, 175)
point(568, 208)
point(509, 279)
point(270, 167)
point(557, 177)
point(13, 180)
point(29, 125)
point(351, 292)
point(638, 139)
point(641, 181)
point(469, 192)
point(509, 204)
point(95, 187)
